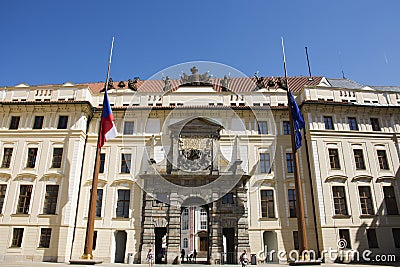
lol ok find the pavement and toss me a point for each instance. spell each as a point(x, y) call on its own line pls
point(50, 264)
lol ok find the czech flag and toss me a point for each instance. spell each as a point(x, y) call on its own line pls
point(107, 128)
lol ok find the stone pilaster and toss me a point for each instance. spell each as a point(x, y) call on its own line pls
point(148, 235)
point(173, 231)
point(215, 234)
point(243, 233)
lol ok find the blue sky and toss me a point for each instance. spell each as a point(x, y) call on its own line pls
point(57, 41)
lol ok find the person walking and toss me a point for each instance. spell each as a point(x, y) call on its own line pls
point(243, 258)
point(194, 255)
point(150, 257)
point(183, 255)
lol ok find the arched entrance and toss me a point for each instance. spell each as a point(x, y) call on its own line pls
point(194, 234)
point(120, 246)
point(270, 243)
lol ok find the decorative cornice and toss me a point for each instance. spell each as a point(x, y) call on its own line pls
point(122, 181)
point(26, 176)
point(52, 175)
point(386, 178)
point(4, 177)
point(336, 178)
point(362, 178)
point(101, 182)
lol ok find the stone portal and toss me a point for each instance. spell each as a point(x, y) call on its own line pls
point(193, 161)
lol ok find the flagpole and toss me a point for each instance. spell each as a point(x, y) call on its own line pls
point(301, 222)
point(88, 250)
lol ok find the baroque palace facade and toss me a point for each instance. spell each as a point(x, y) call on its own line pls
point(199, 164)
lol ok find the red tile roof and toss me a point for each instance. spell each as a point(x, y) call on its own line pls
point(236, 84)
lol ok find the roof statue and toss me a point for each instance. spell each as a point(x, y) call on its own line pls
point(110, 85)
point(132, 84)
point(167, 84)
point(121, 84)
point(282, 83)
point(271, 83)
point(195, 78)
point(259, 81)
point(225, 83)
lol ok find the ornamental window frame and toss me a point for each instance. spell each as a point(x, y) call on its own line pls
point(6, 163)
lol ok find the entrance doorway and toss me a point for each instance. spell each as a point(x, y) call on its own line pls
point(194, 234)
point(203, 243)
point(120, 246)
point(270, 243)
point(160, 244)
point(229, 245)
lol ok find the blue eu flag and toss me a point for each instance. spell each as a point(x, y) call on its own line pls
point(298, 120)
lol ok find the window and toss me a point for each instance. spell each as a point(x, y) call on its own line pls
point(345, 235)
point(289, 162)
point(265, 163)
point(262, 127)
point(334, 158)
point(296, 240)
point(372, 240)
point(62, 122)
point(99, 202)
point(123, 203)
point(125, 163)
point(203, 225)
point(328, 123)
point(339, 200)
point(38, 123)
point(14, 123)
point(32, 153)
point(25, 192)
point(102, 162)
point(57, 157)
point(50, 201)
point(7, 157)
point(267, 204)
point(185, 219)
point(390, 200)
point(366, 200)
point(203, 219)
point(286, 127)
point(359, 159)
point(17, 237)
point(352, 123)
point(382, 159)
point(94, 240)
point(45, 235)
point(185, 243)
point(128, 127)
point(3, 190)
point(396, 237)
point(292, 203)
point(228, 199)
point(375, 124)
